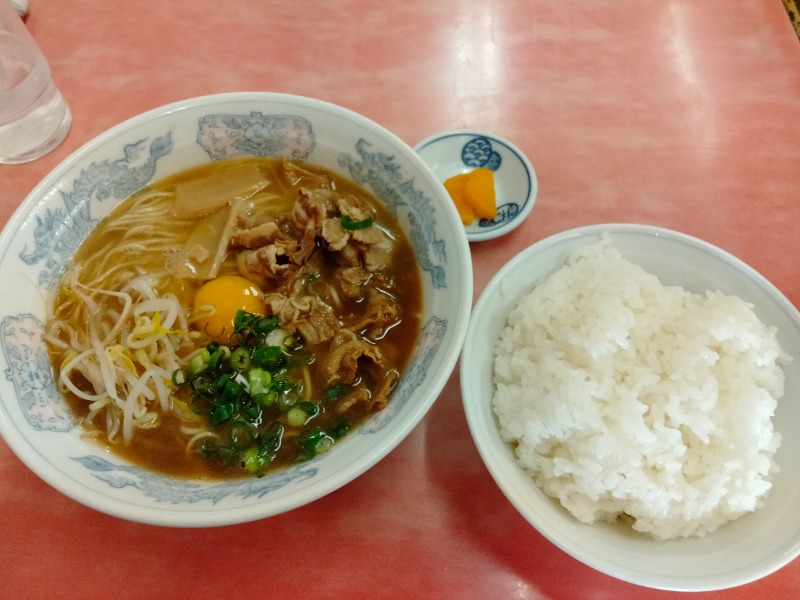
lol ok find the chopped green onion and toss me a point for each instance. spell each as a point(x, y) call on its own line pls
point(336, 391)
point(323, 445)
point(202, 382)
point(255, 460)
point(240, 359)
point(258, 381)
point(302, 413)
point(208, 448)
point(240, 436)
point(220, 413)
point(265, 399)
point(251, 413)
point(282, 385)
point(199, 361)
point(214, 359)
point(297, 417)
point(231, 390)
point(292, 342)
point(243, 320)
point(286, 401)
point(340, 430)
point(265, 325)
point(350, 225)
point(243, 388)
point(271, 358)
point(179, 377)
point(272, 438)
point(314, 442)
point(310, 408)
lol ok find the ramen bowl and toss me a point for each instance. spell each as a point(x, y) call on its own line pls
point(45, 231)
point(739, 551)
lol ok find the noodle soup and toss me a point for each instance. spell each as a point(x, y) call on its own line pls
point(235, 318)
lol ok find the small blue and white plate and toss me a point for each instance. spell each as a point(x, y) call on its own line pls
point(452, 152)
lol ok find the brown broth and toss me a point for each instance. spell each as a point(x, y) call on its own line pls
point(163, 448)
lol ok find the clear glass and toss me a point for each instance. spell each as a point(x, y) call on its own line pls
point(34, 117)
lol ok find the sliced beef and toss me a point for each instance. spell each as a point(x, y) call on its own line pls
point(381, 313)
point(342, 363)
point(352, 280)
point(319, 324)
point(286, 255)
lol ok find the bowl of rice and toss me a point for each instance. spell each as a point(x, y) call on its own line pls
point(632, 391)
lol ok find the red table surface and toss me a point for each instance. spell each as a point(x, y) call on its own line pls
point(680, 114)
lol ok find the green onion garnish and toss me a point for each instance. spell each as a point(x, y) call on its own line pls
point(340, 430)
point(336, 391)
point(240, 359)
point(250, 392)
point(350, 225)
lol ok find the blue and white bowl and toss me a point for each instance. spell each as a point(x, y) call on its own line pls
point(453, 152)
point(42, 235)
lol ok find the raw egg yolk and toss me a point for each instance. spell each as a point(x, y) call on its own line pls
point(226, 296)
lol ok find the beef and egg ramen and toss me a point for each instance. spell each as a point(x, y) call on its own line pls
point(235, 318)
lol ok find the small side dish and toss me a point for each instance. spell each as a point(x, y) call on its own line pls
point(490, 180)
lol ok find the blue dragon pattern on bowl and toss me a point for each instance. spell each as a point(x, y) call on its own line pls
point(59, 232)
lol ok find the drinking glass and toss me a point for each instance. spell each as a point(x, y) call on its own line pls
point(34, 117)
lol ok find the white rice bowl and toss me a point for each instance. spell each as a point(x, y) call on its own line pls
point(709, 515)
point(623, 396)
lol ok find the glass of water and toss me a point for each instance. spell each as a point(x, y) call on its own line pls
point(34, 118)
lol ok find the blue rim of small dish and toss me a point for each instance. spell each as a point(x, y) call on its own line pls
point(452, 152)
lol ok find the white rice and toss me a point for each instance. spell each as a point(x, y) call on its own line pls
point(627, 398)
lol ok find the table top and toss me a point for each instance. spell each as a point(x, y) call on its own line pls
point(684, 115)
